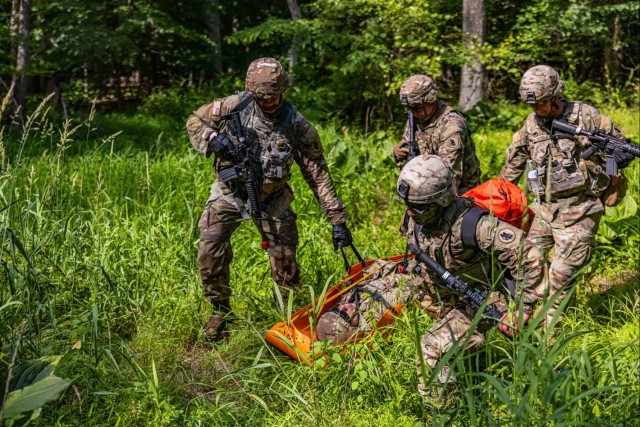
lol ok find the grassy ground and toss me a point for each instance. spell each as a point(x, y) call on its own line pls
point(98, 265)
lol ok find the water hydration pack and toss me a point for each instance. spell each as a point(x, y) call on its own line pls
point(506, 201)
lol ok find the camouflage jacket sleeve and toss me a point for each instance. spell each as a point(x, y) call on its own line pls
point(507, 242)
point(315, 171)
point(516, 157)
point(590, 119)
point(205, 120)
point(452, 142)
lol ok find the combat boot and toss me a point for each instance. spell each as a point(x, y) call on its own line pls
point(216, 327)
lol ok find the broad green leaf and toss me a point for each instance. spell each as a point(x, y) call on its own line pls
point(626, 209)
point(34, 396)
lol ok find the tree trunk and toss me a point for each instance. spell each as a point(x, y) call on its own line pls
point(294, 50)
point(216, 37)
point(473, 36)
point(611, 60)
point(21, 20)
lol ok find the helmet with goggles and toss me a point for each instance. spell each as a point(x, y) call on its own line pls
point(335, 325)
point(425, 182)
point(266, 78)
point(540, 84)
point(418, 90)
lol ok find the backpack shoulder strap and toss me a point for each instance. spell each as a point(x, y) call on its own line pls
point(468, 227)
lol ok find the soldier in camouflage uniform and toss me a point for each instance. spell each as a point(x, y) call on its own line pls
point(434, 223)
point(357, 311)
point(440, 130)
point(566, 186)
point(276, 136)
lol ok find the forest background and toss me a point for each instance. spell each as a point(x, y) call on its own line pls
point(100, 192)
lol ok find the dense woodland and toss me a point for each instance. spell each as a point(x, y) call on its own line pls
point(348, 57)
point(101, 309)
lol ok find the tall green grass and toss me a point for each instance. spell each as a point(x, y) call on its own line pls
point(99, 239)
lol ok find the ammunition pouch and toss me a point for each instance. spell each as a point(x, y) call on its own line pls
point(230, 174)
point(567, 177)
point(599, 179)
point(276, 160)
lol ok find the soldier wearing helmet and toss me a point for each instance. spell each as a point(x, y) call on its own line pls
point(567, 187)
point(436, 221)
point(276, 135)
point(359, 310)
point(439, 130)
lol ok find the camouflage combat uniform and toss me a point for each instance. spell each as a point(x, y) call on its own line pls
point(286, 132)
point(434, 223)
point(382, 289)
point(444, 134)
point(442, 241)
point(567, 204)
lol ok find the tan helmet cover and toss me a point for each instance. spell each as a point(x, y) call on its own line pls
point(426, 179)
point(266, 78)
point(331, 326)
point(418, 90)
point(539, 84)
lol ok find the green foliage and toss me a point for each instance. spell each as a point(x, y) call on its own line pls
point(32, 385)
point(99, 243)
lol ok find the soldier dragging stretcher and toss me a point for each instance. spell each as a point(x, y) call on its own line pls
point(256, 136)
point(434, 225)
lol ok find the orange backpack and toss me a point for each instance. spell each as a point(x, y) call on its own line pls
point(505, 200)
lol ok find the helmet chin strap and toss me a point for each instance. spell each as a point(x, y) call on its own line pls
point(556, 107)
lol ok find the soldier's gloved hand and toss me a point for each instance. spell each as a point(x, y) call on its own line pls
point(622, 158)
point(219, 144)
point(400, 151)
point(207, 136)
point(341, 236)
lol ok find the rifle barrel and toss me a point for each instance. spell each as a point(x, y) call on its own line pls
point(453, 283)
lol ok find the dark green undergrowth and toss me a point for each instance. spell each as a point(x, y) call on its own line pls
point(99, 240)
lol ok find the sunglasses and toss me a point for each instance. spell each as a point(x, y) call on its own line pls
point(420, 209)
point(414, 109)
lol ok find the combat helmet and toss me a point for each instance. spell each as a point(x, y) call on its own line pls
point(418, 90)
point(425, 185)
point(335, 327)
point(266, 78)
point(539, 84)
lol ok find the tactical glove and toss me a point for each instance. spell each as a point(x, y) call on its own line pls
point(622, 158)
point(219, 144)
point(400, 151)
point(341, 236)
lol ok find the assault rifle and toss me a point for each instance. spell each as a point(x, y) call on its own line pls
point(453, 283)
point(240, 177)
point(600, 139)
point(411, 144)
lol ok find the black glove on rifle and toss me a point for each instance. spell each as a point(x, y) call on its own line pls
point(341, 236)
point(622, 158)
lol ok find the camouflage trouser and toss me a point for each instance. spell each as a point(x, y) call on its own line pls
point(218, 222)
point(574, 244)
point(454, 329)
point(451, 330)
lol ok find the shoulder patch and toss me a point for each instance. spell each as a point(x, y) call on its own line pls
point(518, 136)
point(506, 236)
point(216, 108)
